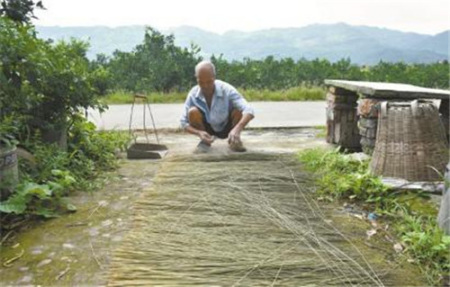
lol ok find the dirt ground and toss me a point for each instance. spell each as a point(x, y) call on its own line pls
point(77, 249)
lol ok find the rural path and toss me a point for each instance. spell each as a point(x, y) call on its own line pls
point(167, 116)
point(228, 219)
point(217, 219)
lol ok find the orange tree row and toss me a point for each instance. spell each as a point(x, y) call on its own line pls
point(158, 65)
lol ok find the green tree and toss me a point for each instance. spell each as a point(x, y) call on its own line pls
point(42, 83)
point(155, 65)
point(21, 11)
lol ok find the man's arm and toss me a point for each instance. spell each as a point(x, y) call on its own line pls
point(235, 134)
point(246, 118)
point(184, 120)
point(240, 103)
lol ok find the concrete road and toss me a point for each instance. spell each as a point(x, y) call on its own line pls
point(268, 115)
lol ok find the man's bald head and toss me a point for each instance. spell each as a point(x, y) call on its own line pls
point(205, 72)
point(205, 66)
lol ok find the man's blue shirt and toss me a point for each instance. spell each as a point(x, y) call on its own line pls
point(225, 99)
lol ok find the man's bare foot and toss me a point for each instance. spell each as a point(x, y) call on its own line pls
point(237, 147)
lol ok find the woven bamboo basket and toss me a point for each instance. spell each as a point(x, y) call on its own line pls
point(410, 143)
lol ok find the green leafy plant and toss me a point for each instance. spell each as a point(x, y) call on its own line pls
point(100, 147)
point(45, 188)
point(8, 133)
point(427, 243)
point(41, 199)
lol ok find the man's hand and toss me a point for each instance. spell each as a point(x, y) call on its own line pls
point(205, 137)
point(234, 137)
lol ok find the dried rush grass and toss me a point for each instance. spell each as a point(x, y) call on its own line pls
point(236, 220)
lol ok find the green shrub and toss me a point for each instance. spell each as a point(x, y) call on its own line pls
point(44, 188)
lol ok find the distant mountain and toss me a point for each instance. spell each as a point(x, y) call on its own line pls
point(362, 44)
point(438, 43)
point(102, 39)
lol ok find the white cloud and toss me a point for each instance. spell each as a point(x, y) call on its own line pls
point(424, 16)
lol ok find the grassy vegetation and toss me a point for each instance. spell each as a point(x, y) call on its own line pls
point(411, 215)
point(124, 97)
point(293, 94)
point(322, 131)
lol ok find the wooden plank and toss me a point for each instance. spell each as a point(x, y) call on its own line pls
point(342, 92)
point(388, 90)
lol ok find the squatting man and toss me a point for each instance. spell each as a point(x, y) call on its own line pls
point(214, 108)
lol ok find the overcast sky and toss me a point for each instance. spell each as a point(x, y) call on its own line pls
point(422, 16)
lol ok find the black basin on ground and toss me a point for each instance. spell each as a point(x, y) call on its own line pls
point(146, 151)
